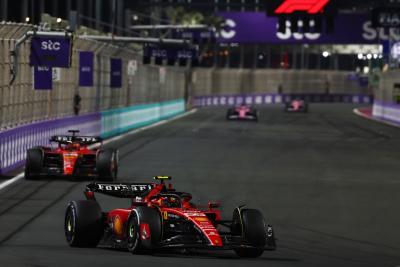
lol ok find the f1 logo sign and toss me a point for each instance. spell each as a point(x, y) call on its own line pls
point(309, 6)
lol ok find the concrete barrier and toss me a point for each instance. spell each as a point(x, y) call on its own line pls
point(386, 111)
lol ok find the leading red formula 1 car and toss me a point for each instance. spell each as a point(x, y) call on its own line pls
point(72, 158)
point(160, 217)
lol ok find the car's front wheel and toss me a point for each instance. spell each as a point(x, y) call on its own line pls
point(34, 163)
point(250, 224)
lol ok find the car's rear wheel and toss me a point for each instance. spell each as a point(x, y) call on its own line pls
point(107, 164)
point(250, 224)
point(229, 113)
point(34, 163)
point(83, 223)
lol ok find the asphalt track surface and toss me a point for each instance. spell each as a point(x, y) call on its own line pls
point(328, 182)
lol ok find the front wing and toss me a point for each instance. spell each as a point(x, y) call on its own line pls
point(229, 243)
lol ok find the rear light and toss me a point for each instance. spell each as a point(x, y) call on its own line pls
point(144, 231)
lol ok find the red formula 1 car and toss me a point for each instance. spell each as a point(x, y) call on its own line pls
point(296, 105)
point(160, 217)
point(72, 158)
point(242, 112)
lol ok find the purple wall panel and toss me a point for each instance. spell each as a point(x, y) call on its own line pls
point(268, 98)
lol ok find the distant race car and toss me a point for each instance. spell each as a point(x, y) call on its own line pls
point(72, 158)
point(242, 112)
point(160, 217)
point(296, 105)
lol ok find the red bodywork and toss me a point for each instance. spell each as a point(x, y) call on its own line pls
point(70, 154)
point(204, 219)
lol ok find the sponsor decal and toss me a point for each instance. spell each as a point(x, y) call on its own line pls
point(116, 73)
point(118, 225)
point(50, 52)
point(256, 27)
point(309, 6)
point(165, 215)
point(122, 187)
point(43, 78)
point(86, 64)
point(194, 214)
point(201, 219)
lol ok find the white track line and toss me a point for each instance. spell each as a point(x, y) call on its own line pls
point(110, 140)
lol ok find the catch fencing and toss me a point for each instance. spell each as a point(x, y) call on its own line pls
point(209, 82)
point(20, 104)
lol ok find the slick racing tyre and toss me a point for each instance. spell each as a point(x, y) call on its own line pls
point(83, 223)
point(107, 164)
point(250, 224)
point(229, 113)
point(144, 229)
point(34, 163)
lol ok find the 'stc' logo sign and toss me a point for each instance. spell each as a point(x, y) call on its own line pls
point(309, 6)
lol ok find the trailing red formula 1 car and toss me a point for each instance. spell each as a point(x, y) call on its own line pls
point(296, 105)
point(72, 158)
point(160, 217)
point(242, 112)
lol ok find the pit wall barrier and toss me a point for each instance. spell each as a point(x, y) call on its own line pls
point(15, 142)
point(268, 98)
point(386, 111)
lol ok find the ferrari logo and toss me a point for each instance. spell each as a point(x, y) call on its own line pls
point(165, 215)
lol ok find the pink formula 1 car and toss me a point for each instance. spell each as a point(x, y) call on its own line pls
point(242, 112)
point(296, 105)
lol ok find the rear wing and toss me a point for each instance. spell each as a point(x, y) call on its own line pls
point(85, 140)
point(121, 190)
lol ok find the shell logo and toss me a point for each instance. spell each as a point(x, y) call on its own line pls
point(118, 225)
